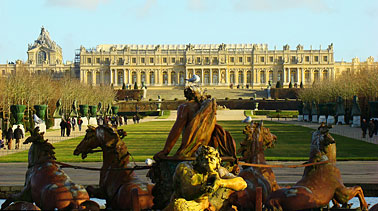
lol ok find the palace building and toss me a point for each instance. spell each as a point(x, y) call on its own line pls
point(164, 66)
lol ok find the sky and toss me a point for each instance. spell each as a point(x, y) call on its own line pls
point(351, 25)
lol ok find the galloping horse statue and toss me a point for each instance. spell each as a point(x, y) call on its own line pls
point(118, 185)
point(258, 138)
point(45, 183)
point(320, 183)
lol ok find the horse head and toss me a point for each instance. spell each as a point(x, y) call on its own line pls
point(323, 143)
point(258, 138)
point(103, 136)
point(89, 142)
point(40, 150)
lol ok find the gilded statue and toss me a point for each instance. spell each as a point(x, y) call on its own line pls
point(203, 184)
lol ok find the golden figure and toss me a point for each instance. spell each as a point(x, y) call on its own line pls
point(203, 184)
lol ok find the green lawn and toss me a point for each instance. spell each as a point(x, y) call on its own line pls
point(145, 139)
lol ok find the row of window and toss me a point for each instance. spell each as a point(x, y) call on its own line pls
point(206, 60)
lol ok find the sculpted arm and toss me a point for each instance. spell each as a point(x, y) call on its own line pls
point(176, 130)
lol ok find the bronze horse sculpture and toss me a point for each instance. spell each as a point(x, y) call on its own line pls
point(118, 183)
point(258, 138)
point(320, 183)
point(45, 183)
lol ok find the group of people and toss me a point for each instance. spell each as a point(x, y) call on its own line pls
point(117, 120)
point(6, 141)
point(67, 125)
point(371, 127)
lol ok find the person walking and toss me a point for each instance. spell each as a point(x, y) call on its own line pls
point(137, 118)
point(73, 123)
point(79, 123)
point(18, 134)
point(62, 128)
point(364, 126)
point(371, 128)
point(376, 126)
point(68, 128)
point(2, 142)
point(125, 119)
point(134, 119)
point(120, 121)
point(9, 137)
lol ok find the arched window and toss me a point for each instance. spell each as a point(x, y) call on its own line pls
point(325, 75)
point(241, 77)
point(133, 77)
point(279, 76)
point(173, 78)
point(307, 76)
point(120, 77)
point(182, 78)
point(165, 77)
point(207, 77)
point(316, 75)
point(41, 57)
point(143, 77)
point(232, 77)
point(262, 77)
point(293, 76)
point(215, 77)
point(271, 76)
point(152, 77)
point(249, 77)
point(89, 78)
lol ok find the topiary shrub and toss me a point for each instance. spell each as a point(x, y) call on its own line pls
point(175, 99)
point(240, 98)
point(301, 85)
point(226, 98)
point(278, 84)
point(290, 85)
point(150, 99)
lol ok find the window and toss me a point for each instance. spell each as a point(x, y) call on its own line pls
point(206, 60)
point(249, 59)
point(173, 60)
point(215, 60)
point(41, 57)
point(307, 58)
point(89, 60)
point(120, 61)
point(107, 61)
point(232, 59)
point(98, 60)
point(316, 58)
point(240, 59)
point(142, 60)
point(293, 59)
point(151, 60)
point(181, 60)
point(270, 58)
point(262, 59)
point(280, 59)
point(3, 72)
point(325, 58)
point(198, 60)
point(133, 60)
point(165, 60)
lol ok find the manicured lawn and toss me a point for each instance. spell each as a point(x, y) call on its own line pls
point(146, 139)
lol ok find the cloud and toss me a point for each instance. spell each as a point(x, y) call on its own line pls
point(280, 5)
point(197, 5)
point(146, 8)
point(81, 4)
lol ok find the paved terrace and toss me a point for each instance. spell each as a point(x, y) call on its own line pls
point(12, 175)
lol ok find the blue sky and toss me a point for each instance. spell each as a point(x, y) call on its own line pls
point(352, 25)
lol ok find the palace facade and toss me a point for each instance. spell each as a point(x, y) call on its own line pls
point(162, 66)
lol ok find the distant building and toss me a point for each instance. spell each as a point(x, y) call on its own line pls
point(44, 56)
point(218, 65)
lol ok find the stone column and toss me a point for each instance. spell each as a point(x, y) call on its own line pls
point(298, 81)
point(124, 76)
point(169, 72)
point(202, 76)
point(115, 78)
point(321, 75)
point(302, 76)
point(227, 76)
point(111, 76)
point(311, 76)
point(219, 76)
point(93, 77)
point(101, 76)
point(284, 76)
point(129, 77)
point(211, 76)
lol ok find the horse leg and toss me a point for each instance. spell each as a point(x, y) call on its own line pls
point(336, 204)
point(135, 199)
point(344, 194)
point(95, 192)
